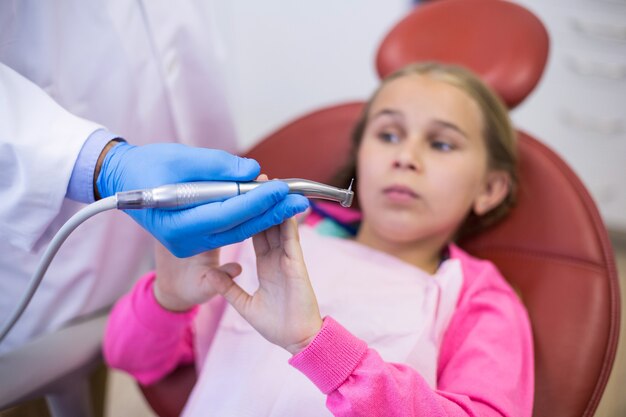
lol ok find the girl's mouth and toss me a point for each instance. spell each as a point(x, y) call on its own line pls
point(400, 193)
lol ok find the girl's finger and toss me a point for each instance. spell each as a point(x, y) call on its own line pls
point(291, 239)
point(232, 269)
point(225, 286)
point(273, 237)
point(260, 243)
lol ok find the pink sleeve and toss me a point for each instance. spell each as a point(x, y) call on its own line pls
point(485, 367)
point(144, 339)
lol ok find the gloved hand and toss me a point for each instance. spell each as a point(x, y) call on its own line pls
point(191, 231)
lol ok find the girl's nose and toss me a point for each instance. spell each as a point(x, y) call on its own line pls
point(407, 158)
point(401, 164)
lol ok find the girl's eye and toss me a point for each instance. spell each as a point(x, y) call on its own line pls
point(388, 137)
point(441, 145)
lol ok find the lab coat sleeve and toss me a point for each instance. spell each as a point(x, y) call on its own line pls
point(39, 144)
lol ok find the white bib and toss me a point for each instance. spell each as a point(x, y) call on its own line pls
point(399, 310)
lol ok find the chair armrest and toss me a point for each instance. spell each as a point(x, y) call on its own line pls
point(168, 396)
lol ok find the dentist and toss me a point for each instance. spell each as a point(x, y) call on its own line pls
point(71, 73)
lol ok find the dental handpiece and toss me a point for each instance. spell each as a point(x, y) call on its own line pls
point(171, 196)
point(190, 194)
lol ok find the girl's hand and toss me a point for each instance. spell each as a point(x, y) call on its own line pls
point(182, 283)
point(284, 308)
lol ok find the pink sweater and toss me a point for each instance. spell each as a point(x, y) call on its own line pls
point(485, 364)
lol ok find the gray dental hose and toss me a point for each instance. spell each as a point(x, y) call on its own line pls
point(173, 196)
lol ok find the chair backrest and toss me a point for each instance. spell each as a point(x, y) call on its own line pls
point(313, 146)
point(502, 42)
point(553, 247)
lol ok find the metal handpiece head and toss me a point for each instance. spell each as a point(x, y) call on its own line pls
point(310, 189)
point(314, 189)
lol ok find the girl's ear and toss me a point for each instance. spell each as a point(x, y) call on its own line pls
point(495, 190)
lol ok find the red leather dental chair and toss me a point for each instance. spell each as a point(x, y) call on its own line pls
point(553, 247)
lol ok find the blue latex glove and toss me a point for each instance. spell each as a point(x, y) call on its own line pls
point(191, 231)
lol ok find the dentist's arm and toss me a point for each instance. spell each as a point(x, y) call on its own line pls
point(39, 144)
point(194, 230)
point(42, 147)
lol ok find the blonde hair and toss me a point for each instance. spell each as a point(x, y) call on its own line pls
point(498, 132)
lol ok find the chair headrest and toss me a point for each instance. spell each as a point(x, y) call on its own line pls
point(503, 43)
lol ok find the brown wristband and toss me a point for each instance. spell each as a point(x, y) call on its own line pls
point(99, 163)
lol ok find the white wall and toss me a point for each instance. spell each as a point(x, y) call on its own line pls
point(287, 58)
point(578, 109)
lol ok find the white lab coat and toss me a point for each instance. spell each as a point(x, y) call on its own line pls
point(146, 70)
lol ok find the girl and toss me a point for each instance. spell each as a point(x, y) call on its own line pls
point(395, 321)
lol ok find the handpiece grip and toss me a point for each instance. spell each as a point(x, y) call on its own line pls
point(179, 196)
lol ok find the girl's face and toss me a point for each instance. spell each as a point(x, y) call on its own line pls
point(422, 162)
